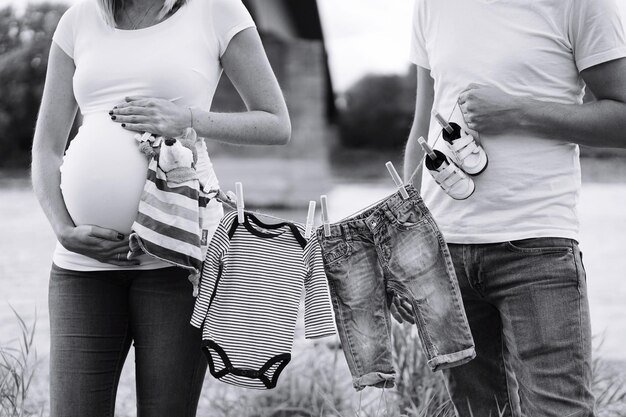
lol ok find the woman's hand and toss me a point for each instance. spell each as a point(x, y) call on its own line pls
point(155, 115)
point(104, 245)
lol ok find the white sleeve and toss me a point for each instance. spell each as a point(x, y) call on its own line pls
point(596, 32)
point(228, 18)
point(64, 35)
point(418, 53)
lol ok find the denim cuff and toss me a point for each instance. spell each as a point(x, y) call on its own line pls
point(452, 359)
point(374, 379)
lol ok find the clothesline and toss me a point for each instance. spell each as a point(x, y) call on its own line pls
point(229, 200)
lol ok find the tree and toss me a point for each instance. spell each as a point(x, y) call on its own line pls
point(24, 46)
point(378, 111)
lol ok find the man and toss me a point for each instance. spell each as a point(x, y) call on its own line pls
point(513, 73)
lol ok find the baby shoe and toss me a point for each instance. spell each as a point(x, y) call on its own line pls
point(456, 183)
point(467, 153)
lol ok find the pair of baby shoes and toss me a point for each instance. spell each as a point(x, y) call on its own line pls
point(468, 158)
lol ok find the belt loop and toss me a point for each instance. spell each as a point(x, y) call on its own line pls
point(346, 232)
point(387, 211)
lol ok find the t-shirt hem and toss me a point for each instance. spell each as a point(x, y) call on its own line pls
point(71, 266)
point(232, 32)
point(600, 58)
point(465, 239)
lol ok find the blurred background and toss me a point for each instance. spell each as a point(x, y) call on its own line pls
point(350, 90)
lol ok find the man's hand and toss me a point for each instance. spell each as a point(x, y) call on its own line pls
point(489, 110)
point(402, 310)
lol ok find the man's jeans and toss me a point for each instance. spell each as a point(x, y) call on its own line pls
point(526, 302)
point(94, 318)
point(394, 248)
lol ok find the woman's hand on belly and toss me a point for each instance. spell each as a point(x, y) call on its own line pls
point(155, 115)
point(104, 245)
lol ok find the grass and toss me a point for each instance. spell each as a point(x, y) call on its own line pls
point(314, 390)
point(311, 388)
point(610, 390)
point(17, 368)
point(316, 384)
point(419, 392)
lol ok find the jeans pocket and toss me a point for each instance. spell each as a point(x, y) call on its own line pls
point(335, 252)
point(406, 215)
point(540, 246)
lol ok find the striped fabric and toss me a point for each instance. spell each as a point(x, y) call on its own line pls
point(251, 287)
point(169, 223)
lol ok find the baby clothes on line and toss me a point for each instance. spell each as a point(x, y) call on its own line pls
point(250, 291)
point(393, 249)
point(174, 222)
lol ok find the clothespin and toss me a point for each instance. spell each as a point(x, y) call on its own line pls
point(396, 179)
point(431, 154)
point(443, 122)
point(310, 219)
point(240, 204)
point(325, 221)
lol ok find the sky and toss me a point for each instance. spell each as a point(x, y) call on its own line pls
point(362, 36)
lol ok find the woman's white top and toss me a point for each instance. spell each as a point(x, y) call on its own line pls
point(178, 59)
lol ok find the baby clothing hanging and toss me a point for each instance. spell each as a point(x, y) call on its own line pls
point(393, 249)
point(176, 216)
point(251, 285)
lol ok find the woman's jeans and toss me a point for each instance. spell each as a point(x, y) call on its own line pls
point(394, 249)
point(526, 302)
point(94, 318)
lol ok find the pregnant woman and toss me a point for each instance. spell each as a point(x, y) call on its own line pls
point(133, 66)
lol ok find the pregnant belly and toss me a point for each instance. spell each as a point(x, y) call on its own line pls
point(103, 175)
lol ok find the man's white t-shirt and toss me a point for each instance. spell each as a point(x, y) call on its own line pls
point(528, 48)
point(178, 59)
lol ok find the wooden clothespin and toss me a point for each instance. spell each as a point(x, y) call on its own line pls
point(310, 219)
point(240, 204)
point(397, 180)
point(325, 221)
point(443, 122)
point(429, 151)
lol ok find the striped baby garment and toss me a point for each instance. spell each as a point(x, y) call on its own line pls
point(175, 217)
point(252, 282)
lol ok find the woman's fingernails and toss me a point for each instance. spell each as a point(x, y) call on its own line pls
point(112, 117)
point(123, 124)
point(120, 236)
point(111, 112)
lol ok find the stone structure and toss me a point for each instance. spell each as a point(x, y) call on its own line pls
point(286, 176)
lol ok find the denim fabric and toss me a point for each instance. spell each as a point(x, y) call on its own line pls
point(94, 318)
point(393, 249)
point(526, 302)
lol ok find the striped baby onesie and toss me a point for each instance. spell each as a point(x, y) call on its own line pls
point(252, 282)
